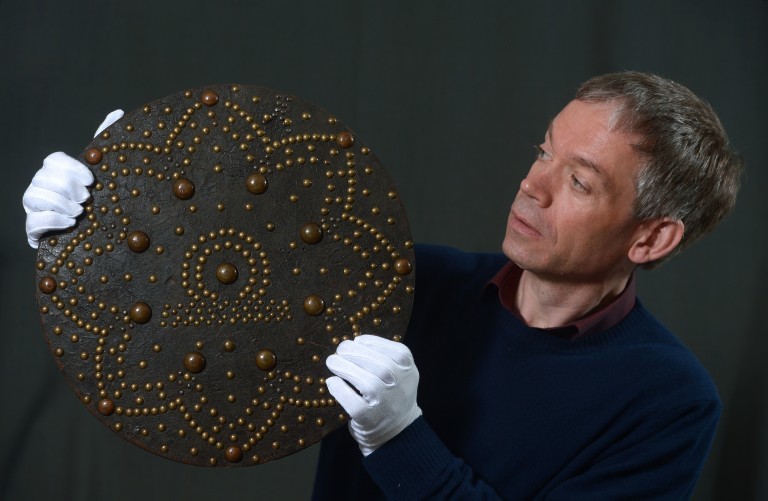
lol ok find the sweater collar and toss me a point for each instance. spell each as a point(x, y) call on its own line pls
point(508, 278)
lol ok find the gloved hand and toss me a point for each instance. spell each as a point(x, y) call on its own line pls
point(386, 379)
point(53, 199)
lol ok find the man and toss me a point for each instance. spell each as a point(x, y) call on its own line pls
point(540, 375)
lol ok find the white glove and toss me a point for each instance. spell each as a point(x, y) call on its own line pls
point(53, 199)
point(386, 379)
point(109, 120)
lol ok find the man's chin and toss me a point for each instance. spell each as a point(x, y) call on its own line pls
point(516, 253)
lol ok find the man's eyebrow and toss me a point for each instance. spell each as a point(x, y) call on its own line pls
point(588, 164)
point(584, 162)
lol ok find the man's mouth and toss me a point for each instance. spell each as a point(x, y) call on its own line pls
point(522, 226)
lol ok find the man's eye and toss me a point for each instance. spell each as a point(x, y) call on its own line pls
point(577, 184)
point(540, 153)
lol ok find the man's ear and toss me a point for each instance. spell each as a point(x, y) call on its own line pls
point(655, 239)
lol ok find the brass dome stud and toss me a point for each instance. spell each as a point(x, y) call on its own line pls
point(194, 362)
point(140, 313)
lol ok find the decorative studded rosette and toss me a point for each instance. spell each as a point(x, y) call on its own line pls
point(235, 235)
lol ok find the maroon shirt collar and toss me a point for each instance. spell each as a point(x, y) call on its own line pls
point(508, 278)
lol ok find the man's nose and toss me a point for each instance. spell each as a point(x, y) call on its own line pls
point(537, 185)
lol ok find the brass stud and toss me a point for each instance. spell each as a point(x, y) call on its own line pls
point(233, 454)
point(47, 285)
point(311, 233)
point(402, 266)
point(226, 273)
point(256, 184)
point(194, 362)
point(183, 189)
point(140, 313)
point(93, 156)
point(138, 241)
point(266, 360)
point(314, 304)
point(106, 407)
point(345, 139)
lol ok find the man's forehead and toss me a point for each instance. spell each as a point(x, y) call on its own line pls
point(592, 120)
point(594, 138)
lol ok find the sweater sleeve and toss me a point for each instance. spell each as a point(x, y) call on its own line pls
point(417, 465)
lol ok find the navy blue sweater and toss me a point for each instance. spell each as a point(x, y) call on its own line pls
point(512, 412)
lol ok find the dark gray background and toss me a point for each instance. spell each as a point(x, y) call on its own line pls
point(450, 95)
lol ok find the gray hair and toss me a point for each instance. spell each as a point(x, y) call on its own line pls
point(690, 174)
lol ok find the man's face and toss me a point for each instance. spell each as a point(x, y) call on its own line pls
point(572, 217)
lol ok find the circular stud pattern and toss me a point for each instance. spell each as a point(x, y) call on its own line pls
point(234, 237)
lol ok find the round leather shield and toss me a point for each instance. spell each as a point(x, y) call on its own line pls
point(235, 235)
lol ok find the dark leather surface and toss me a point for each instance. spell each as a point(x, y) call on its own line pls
point(235, 235)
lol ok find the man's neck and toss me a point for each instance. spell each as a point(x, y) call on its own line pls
point(545, 303)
